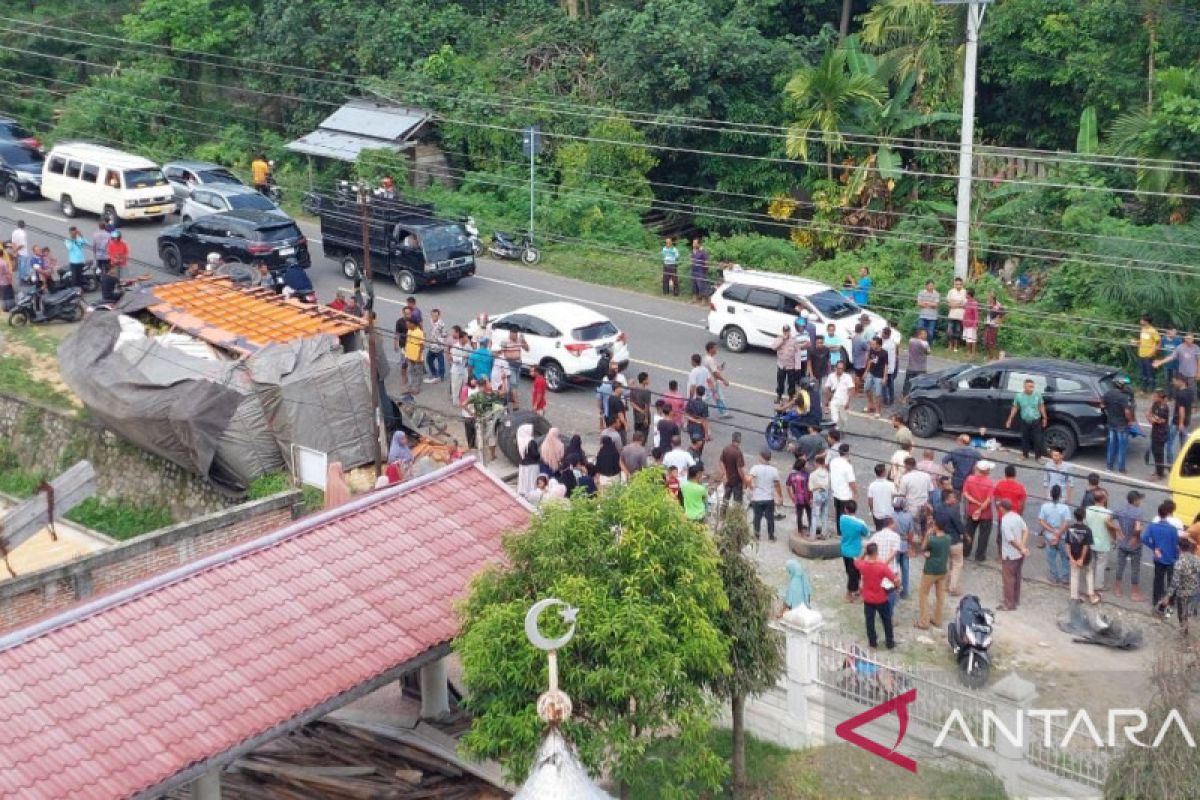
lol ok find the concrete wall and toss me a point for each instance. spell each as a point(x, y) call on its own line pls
point(29, 597)
point(49, 440)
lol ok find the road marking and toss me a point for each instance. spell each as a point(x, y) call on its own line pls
point(622, 309)
point(40, 214)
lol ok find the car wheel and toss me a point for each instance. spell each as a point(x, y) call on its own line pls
point(19, 318)
point(110, 216)
point(735, 339)
point(171, 258)
point(923, 421)
point(12, 192)
point(506, 432)
point(556, 376)
point(1060, 437)
point(67, 206)
point(350, 268)
point(406, 281)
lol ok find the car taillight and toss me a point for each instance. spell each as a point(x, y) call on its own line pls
point(577, 349)
point(259, 249)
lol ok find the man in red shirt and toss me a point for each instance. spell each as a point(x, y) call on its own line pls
point(1010, 489)
point(873, 572)
point(675, 401)
point(539, 392)
point(978, 493)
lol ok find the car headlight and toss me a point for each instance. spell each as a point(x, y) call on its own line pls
point(131, 203)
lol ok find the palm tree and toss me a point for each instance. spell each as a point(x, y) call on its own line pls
point(920, 37)
point(829, 97)
point(1153, 136)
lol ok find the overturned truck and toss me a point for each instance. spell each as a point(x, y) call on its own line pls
point(226, 381)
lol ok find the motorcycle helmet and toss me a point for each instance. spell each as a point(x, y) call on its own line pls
point(116, 234)
point(213, 261)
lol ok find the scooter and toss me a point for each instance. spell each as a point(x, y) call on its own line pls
point(64, 304)
point(473, 235)
point(788, 426)
point(504, 245)
point(970, 636)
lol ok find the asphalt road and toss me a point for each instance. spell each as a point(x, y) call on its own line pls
point(662, 336)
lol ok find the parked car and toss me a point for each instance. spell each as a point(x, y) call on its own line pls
point(1184, 479)
point(244, 237)
point(217, 197)
point(751, 307)
point(185, 176)
point(968, 397)
point(20, 171)
point(12, 131)
point(569, 341)
point(116, 185)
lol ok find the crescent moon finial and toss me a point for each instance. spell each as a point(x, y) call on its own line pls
point(534, 634)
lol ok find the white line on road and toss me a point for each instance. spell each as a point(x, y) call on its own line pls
point(591, 302)
point(54, 217)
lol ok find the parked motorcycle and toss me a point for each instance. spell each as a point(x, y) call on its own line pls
point(64, 304)
point(505, 245)
point(788, 426)
point(970, 636)
point(473, 235)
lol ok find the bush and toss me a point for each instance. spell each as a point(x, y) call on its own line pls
point(755, 251)
point(267, 485)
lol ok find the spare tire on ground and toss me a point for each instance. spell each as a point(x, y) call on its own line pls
point(815, 548)
point(506, 432)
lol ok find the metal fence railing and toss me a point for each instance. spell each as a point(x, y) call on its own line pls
point(1080, 760)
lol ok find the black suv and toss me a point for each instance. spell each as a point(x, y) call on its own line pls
point(11, 131)
point(969, 397)
point(245, 236)
point(20, 171)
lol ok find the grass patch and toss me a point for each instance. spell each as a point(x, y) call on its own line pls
point(835, 772)
point(276, 482)
point(37, 340)
point(609, 269)
point(19, 483)
point(121, 519)
point(16, 379)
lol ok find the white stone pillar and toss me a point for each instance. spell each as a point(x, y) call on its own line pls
point(801, 626)
point(435, 690)
point(208, 785)
point(1014, 696)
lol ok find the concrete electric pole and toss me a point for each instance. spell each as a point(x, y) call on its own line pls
point(966, 153)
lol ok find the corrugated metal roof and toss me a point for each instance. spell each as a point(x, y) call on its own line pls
point(374, 120)
point(213, 309)
point(341, 146)
point(119, 695)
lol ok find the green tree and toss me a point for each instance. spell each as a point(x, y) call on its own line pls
point(606, 164)
point(922, 39)
point(647, 645)
point(829, 98)
point(755, 651)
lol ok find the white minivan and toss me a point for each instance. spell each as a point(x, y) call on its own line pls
point(118, 186)
point(751, 308)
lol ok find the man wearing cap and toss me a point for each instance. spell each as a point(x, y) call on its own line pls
point(977, 492)
point(800, 354)
point(766, 489)
point(1118, 413)
point(842, 483)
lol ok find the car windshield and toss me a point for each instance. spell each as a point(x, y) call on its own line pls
point(252, 200)
point(832, 305)
point(278, 233)
point(144, 178)
point(218, 176)
point(22, 157)
point(597, 330)
point(443, 238)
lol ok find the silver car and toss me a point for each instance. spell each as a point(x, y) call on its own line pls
point(205, 200)
point(187, 175)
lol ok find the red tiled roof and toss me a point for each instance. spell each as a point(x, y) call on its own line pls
point(119, 695)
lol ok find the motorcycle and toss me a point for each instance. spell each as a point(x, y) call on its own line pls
point(790, 425)
point(970, 636)
point(273, 190)
point(473, 235)
point(64, 304)
point(505, 245)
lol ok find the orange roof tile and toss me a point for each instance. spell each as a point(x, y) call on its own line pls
point(246, 320)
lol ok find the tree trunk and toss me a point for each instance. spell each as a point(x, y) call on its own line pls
point(572, 7)
point(1150, 65)
point(738, 710)
point(844, 27)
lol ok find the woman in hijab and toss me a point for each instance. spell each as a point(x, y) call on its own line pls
point(608, 463)
point(573, 456)
point(799, 589)
point(552, 452)
point(530, 462)
point(399, 450)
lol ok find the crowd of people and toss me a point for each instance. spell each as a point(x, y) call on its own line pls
point(24, 265)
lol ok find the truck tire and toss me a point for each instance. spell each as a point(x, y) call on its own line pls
point(406, 281)
point(506, 432)
point(350, 269)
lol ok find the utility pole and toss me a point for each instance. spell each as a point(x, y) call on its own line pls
point(531, 144)
point(966, 152)
point(364, 215)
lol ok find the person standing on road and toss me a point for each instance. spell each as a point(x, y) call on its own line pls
point(1185, 585)
point(732, 469)
point(700, 289)
point(700, 375)
point(880, 493)
point(888, 341)
point(888, 540)
point(100, 243)
point(460, 348)
point(853, 532)
point(918, 360)
point(1079, 553)
point(928, 301)
point(862, 295)
point(962, 461)
point(835, 344)
point(842, 484)
point(876, 597)
point(641, 402)
point(838, 386)
point(877, 372)
point(977, 492)
point(946, 519)
point(20, 241)
point(860, 347)
point(617, 418)
point(1181, 416)
point(818, 487)
point(634, 457)
point(766, 489)
point(1163, 540)
point(1147, 344)
point(717, 372)
point(76, 254)
point(971, 323)
point(693, 494)
point(696, 415)
point(479, 362)
point(1057, 472)
point(537, 397)
point(1159, 418)
point(118, 253)
point(414, 351)
point(1118, 412)
point(1105, 533)
point(1014, 538)
point(1032, 408)
point(785, 353)
point(956, 302)
point(1053, 520)
point(936, 547)
point(799, 495)
point(1129, 544)
point(1183, 360)
point(510, 350)
point(991, 326)
point(260, 174)
point(435, 348)
point(675, 402)
point(670, 271)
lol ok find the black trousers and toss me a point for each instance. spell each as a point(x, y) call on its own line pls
point(979, 531)
point(670, 279)
point(764, 509)
point(884, 611)
point(852, 575)
point(1031, 438)
point(839, 508)
point(469, 425)
point(1162, 579)
point(733, 491)
point(1158, 449)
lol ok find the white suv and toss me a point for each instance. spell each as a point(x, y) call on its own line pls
point(751, 308)
point(567, 340)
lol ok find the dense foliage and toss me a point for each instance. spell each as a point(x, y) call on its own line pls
point(753, 121)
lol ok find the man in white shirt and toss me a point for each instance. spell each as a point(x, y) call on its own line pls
point(20, 240)
point(893, 365)
point(842, 483)
point(699, 376)
point(887, 539)
point(838, 386)
point(915, 486)
point(956, 300)
point(879, 494)
point(678, 457)
point(766, 488)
